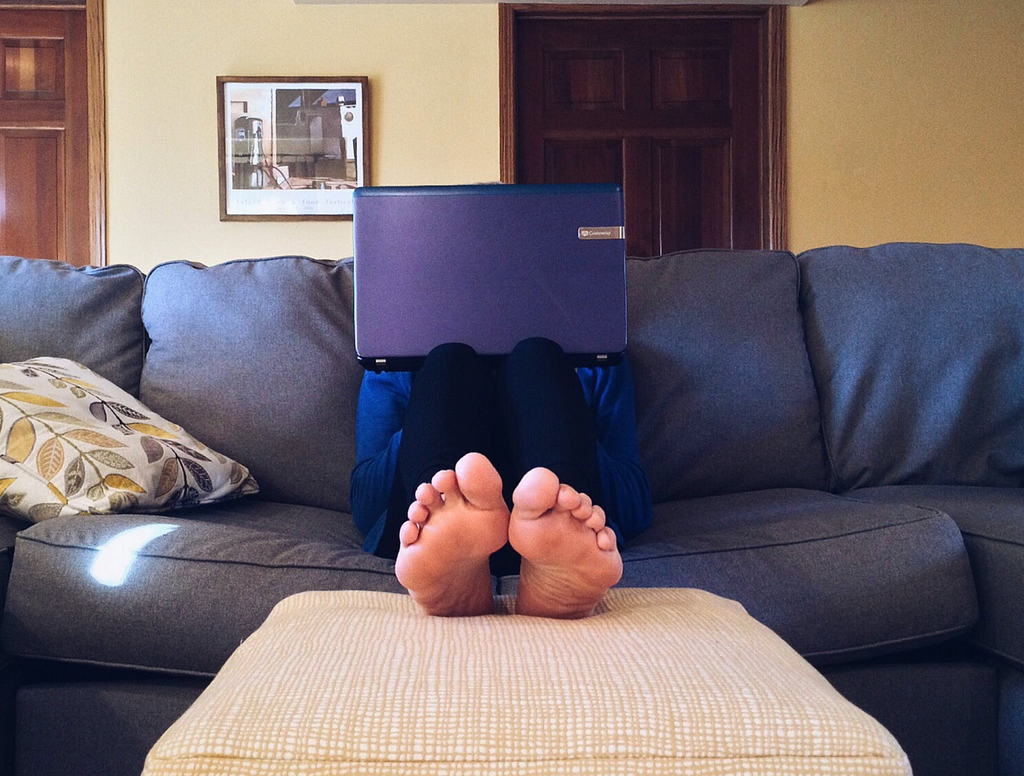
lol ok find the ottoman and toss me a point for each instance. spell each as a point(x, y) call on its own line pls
point(659, 681)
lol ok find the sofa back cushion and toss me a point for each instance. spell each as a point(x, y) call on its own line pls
point(724, 392)
point(918, 352)
point(256, 359)
point(91, 315)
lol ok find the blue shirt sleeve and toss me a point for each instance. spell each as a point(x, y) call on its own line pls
point(379, 417)
point(627, 492)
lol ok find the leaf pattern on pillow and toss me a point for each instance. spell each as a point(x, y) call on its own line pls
point(50, 458)
point(74, 476)
point(20, 440)
point(93, 438)
point(154, 452)
point(74, 443)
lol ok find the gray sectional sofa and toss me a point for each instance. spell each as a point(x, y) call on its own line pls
point(836, 440)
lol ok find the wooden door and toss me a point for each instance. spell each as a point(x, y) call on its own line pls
point(44, 136)
point(673, 105)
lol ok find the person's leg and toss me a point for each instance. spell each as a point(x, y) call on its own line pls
point(447, 514)
point(546, 416)
point(452, 411)
point(569, 555)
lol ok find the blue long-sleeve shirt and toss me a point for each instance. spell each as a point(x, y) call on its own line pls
point(609, 393)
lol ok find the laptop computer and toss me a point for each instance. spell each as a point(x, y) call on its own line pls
point(488, 265)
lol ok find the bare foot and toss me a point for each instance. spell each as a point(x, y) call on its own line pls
point(456, 522)
point(570, 557)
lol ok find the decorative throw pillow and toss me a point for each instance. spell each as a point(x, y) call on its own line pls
point(73, 443)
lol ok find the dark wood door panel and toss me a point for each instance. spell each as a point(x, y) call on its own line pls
point(681, 77)
point(583, 80)
point(44, 135)
point(32, 69)
point(690, 194)
point(583, 161)
point(34, 24)
point(31, 181)
point(669, 102)
point(32, 113)
point(699, 119)
point(652, 32)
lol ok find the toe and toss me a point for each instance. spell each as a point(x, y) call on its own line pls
point(418, 513)
point(606, 539)
point(585, 509)
point(408, 533)
point(427, 494)
point(479, 482)
point(568, 497)
point(536, 493)
point(596, 520)
point(446, 484)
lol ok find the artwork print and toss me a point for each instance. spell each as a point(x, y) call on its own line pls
point(291, 147)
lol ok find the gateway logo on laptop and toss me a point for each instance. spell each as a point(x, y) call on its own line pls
point(602, 233)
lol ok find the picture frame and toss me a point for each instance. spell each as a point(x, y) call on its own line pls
point(292, 148)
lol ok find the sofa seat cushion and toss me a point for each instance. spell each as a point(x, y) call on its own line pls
point(837, 578)
point(176, 592)
point(992, 523)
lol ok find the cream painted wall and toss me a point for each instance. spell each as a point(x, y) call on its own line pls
point(906, 117)
point(433, 80)
point(906, 122)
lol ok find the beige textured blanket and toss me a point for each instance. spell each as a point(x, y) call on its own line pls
point(657, 682)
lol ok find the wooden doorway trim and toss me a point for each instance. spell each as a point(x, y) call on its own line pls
point(773, 131)
point(775, 114)
point(95, 12)
point(95, 16)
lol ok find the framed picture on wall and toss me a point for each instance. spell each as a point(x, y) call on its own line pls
point(292, 148)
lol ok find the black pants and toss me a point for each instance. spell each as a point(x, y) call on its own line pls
point(528, 411)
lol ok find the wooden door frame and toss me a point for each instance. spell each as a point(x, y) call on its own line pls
point(95, 16)
point(773, 130)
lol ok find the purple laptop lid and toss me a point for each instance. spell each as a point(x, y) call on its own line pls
point(489, 265)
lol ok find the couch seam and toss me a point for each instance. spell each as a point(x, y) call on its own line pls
point(252, 260)
point(144, 345)
point(932, 513)
point(835, 484)
point(110, 664)
point(1013, 661)
point(745, 548)
point(892, 642)
point(936, 511)
point(845, 495)
point(210, 560)
point(995, 539)
point(200, 266)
